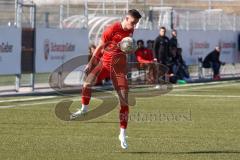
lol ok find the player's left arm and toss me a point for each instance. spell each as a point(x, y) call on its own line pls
point(95, 57)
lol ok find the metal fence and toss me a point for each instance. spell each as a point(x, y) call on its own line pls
point(70, 15)
point(7, 13)
point(206, 20)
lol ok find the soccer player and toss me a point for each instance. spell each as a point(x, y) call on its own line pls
point(109, 61)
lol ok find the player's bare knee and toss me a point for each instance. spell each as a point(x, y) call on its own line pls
point(86, 85)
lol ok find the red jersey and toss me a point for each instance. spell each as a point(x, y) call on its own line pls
point(144, 55)
point(111, 37)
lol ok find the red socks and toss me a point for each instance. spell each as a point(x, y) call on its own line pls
point(123, 113)
point(86, 95)
point(123, 116)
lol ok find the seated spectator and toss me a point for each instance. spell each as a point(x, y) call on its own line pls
point(178, 67)
point(182, 72)
point(145, 58)
point(212, 60)
point(150, 44)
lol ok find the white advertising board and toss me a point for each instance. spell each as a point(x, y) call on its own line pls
point(199, 43)
point(10, 50)
point(54, 47)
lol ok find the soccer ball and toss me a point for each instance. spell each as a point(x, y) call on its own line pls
point(127, 45)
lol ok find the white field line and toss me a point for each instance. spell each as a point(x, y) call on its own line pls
point(28, 99)
point(207, 96)
point(206, 83)
point(33, 104)
point(41, 103)
point(4, 107)
point(174, 95)
point(204, 87)
point(169, 94)
point(176, 88)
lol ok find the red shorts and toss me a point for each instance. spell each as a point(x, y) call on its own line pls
point(116, 72)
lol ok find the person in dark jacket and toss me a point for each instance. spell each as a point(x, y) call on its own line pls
point(212, 60)
point(161, 47)
point(180, 68)
point(173, 42)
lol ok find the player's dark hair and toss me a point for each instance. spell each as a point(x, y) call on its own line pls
point(134, 13)
point(140, 41)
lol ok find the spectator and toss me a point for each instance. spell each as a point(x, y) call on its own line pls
point(212, 60)
point(173, 42)
point(145, 58)
point(150, 44)
point(179, 67)
point(161, 47)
